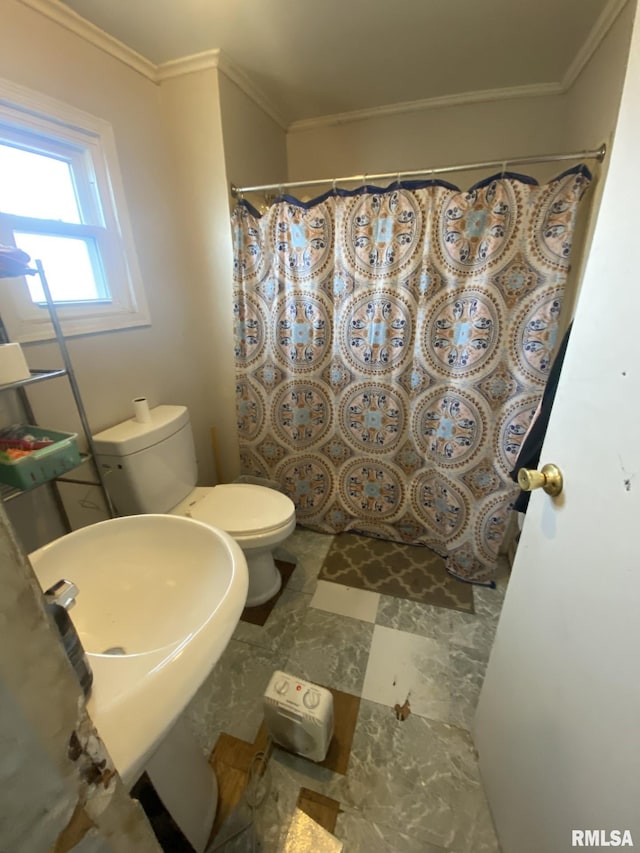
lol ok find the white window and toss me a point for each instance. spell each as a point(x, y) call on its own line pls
point(62, 202)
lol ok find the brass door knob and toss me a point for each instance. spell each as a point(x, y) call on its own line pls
point(549, 479)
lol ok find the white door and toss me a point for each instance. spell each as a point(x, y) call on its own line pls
point(558, 722)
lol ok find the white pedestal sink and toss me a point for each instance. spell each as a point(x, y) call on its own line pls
point(159, 597)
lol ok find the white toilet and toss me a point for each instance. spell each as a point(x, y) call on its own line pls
point(151, 467)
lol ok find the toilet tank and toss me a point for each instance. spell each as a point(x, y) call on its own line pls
point(148, 467)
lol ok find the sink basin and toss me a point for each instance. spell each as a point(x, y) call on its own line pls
point(159, 597)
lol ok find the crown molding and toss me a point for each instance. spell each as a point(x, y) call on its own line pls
point(598, 32)
point(187, 65)
point(70, 20)
point(600, 29)
point(244, 82)
point(217, 59)
point(534, 91)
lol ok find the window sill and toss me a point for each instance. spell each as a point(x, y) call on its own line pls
point(77, 328)
point(32, 326)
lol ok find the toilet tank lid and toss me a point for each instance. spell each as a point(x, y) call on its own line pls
point(131, 436)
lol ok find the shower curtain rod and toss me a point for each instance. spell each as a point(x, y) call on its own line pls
point(596, 154)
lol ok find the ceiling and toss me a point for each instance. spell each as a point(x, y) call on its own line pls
point(313, 59)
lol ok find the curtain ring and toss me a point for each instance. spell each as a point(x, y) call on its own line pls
point(504, 170)
point(398, 179)
point(364, 179)
point(333, 184)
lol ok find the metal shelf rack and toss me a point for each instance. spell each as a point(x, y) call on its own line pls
point(7, 492)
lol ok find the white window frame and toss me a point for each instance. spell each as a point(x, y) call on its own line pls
point(92, 142)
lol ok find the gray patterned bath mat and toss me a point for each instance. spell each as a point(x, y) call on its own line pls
point(392, 568)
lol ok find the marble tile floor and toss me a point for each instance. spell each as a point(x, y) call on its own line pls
point(411, 785)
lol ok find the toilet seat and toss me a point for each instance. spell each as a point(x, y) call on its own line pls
point(244, 510)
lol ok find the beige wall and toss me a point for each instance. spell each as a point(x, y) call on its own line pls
point(255, 147)
point(216, 135)
point(442, 136)
point(191, 105)
point(580, 119)
point(163, 361)
point(594, 98)
point(592, 109)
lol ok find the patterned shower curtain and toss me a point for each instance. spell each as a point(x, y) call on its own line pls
point(392, 346)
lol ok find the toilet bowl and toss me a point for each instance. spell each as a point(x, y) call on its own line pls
point(258, 518)
point(151, 467)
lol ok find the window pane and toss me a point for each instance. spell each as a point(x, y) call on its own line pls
point(36, 185)
point(68, 264)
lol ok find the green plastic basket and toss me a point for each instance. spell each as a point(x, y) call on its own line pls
point(44, 464)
